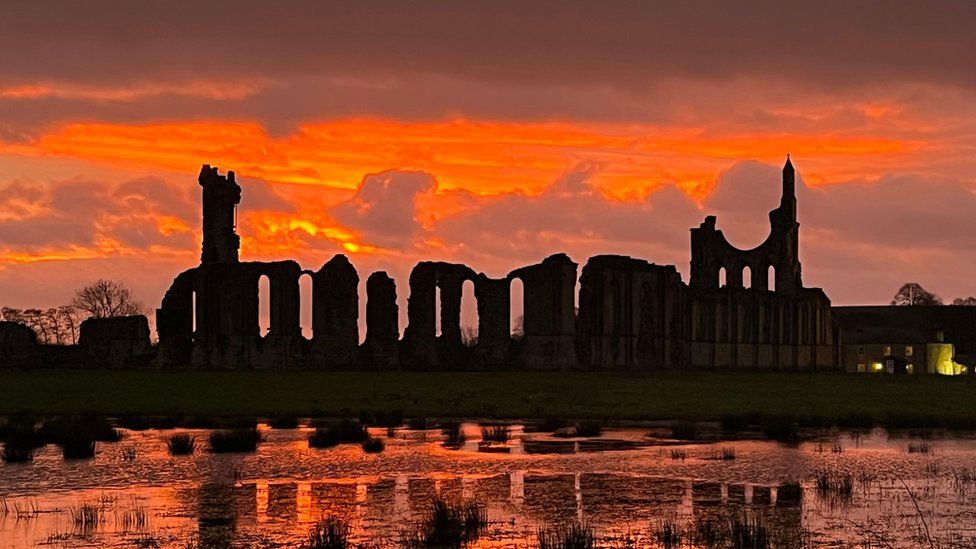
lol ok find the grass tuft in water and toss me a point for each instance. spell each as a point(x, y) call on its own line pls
point(495, 433)
point(181, 444)
point(748, 533)
point(338, 433)
point(668, 534)
point(234, 440)
point(373, 445)
point(834, 486)
point(707, 533)
point(331, 533)
point(727, 453)
point(577, 535)
point(450, 524)
point(919, 447)
point(86, 517)
point(679, 455)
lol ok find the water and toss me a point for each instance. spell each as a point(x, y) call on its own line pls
point(624, 484)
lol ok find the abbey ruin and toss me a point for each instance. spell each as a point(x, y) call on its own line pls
point(632, 315)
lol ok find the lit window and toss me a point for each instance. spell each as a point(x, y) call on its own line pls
point(860, 351)
point(910, 368)
point(861, 368)
point(887, 350)
point(909, 350)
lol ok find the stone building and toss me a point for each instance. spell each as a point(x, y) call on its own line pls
point(632, 315)
point(908, 339)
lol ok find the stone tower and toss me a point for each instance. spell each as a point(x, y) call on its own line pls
point(221, 195)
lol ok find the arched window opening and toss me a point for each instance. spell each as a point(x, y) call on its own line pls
point(264, 305)
point(721, 277)
point(305, 304)
point(746, 277)
point(193, 313)
point(771, 279)
point(437, 311)
point(517, 308)
point(469, 315)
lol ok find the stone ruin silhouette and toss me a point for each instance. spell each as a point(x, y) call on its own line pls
point(633, 315)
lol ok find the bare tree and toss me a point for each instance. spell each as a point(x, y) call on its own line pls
point(107, 298)
point(518, 327)
point(968, 301)
point(913, 293)
point(469, 336)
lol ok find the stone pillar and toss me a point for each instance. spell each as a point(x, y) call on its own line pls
point(335, 312)
point(494, 320)
point(381, 348)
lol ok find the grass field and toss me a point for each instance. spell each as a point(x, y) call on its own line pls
point(579, 395)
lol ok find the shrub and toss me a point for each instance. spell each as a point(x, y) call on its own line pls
point(181, 444)
point(15, 452)
point(330, 533)
point(577, 535)
point(337, 433)
point(779, 428)
point(372, 445)
point(77, 445)
point(234, 440)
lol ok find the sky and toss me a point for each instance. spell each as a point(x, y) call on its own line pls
point(488, 133)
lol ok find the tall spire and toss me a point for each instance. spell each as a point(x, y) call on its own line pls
point(788, 201)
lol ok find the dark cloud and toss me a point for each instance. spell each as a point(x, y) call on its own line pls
point(626, 43)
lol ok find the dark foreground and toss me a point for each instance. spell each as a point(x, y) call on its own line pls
point(815, 398)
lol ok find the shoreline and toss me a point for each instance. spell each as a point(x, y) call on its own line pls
point(817, 399)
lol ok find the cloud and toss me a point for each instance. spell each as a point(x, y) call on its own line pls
point(383, 208)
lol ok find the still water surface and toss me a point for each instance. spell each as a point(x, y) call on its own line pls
point(624, 484)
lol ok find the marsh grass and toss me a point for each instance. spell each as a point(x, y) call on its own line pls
point(727, 453)
point(330, 533)
point(707, 533)
point(181, 444)
point(578, 535)
point(234, 440)
point(449, 524)
point(668, 534)
point(748, 533)
point(679, 455)
point(834, 486)
point(77, 445)
point(128, 453)
point(494, 433)
point(919, 447)
point(343, 432)
point(86, 518)
point(373, 445)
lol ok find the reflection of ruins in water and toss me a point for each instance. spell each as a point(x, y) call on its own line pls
point(518, 502)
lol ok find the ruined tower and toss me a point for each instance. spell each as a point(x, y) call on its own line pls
point(221, 195)
point(711, 253)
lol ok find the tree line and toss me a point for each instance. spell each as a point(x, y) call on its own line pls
point(61, 325)
point(912, 293)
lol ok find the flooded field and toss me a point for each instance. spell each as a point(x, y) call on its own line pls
point(627, 487)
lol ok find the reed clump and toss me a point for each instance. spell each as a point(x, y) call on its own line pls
point(449, 524)
point(373, 445)
point(225, 441)
point(578, 535)
point(181, 444)
point(495, 433)
point(330, 533)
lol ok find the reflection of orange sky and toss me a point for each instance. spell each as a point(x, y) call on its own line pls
point(484, 157)
point(626, 161)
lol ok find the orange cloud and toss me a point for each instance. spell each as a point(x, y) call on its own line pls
point(481, 156)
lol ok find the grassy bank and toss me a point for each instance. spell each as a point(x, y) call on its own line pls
point(691, 396)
